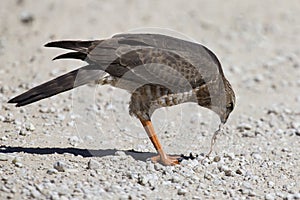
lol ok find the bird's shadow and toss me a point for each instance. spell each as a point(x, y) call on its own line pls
point(142, 156)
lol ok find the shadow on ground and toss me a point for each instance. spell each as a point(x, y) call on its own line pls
point(143, 156)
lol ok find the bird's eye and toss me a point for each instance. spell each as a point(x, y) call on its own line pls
point(230, 106)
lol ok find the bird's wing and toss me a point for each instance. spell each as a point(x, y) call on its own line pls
point(142, 60)
point(195, 53)
point(123, 52)
point(149, 65)
point(147, 58)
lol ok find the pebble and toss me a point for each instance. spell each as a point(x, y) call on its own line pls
point(258, 78)
point(175, 179)
point(249, 134)
point(297, 132)
point(60, 117)
point(52, 171)
point(74, 140)
point(290, 132)
point(295, 125)
point(2, 118)
point(196, 198)
point(217, 181)
point(120, 153)
point(44, 110)
point(271, 184)
point(230, 155)
point(228, 173)
point(29, 127)
point(47, 110)
point(3, 157)
point(247, 185)
point(270, 196)
point(115, 189)
point(206, 192)
point(245, 191)
point(35, 193)
point(63, 190)
point(143, 179)
point(71, 123)
point(251, 193)
point(296, 196)
point(158, 167)
point(182, 191)
point(60, 166)
point(93, 164)
point(240, 171)
point(4, 138)
point(208, 176)
point(244, 126)
point(26, 17)
point(9, 118)
point(257, 156)
point(23, 132)
point(217, 159)
point(17, 162)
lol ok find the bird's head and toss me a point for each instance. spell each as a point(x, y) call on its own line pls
point(220, 99)
point(224, 109)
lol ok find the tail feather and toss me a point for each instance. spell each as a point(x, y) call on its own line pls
point(72, 55)
point(81, 46)
point(58, 85)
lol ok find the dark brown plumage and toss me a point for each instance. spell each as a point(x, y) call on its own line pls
point(157, 70)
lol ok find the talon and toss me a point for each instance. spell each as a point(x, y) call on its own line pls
point(169, 160)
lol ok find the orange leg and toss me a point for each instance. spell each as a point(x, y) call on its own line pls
point(162, 157)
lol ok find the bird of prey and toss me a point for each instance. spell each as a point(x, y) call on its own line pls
point(157, 70)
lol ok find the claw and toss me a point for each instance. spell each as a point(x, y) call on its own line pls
point(168, 161)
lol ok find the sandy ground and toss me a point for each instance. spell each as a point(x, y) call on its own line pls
point(58, 149)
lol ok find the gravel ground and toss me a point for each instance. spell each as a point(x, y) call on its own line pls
point(56, 149)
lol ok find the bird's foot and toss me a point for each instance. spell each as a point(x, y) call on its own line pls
point(167, 160)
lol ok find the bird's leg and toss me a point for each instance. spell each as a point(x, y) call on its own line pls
point(162, 157)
